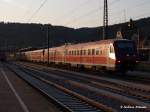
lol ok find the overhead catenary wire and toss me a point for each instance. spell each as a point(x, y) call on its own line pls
point(117, 13)
point(75, 20)
point(38, 9)
point(115, 18)
point(91, 12)
point(71, 12)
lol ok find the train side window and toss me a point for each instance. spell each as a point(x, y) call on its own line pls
point(78, 52)
point(81, 52)
point(93, 51)
point(89, 52)
point(74, 52)
point(111, 49)
point(97, 51)
point(84, 52)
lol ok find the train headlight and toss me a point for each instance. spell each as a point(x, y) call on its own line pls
point(118, 61)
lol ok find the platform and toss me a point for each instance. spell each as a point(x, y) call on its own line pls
point(17, 96)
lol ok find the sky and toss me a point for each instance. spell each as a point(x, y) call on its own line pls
point(72, 13)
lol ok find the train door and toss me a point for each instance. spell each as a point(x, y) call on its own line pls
point(54, 56)
point(93, 56)
point(43, 54)
point(65, 55)
point(111, 56)
point(81, 55)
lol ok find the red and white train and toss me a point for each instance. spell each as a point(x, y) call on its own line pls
point(113, 54)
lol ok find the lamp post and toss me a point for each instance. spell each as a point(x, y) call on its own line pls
point(48, 44)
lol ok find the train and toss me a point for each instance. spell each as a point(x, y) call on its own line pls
point(113, 55)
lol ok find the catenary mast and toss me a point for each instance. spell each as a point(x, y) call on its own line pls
point(105, 20)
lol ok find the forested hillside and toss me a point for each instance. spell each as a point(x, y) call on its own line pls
point(17, 35)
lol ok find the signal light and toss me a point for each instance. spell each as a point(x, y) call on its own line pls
point(118, 61)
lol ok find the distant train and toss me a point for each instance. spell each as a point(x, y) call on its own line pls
point(114, 54)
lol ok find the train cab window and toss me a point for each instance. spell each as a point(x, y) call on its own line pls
point(93, 51)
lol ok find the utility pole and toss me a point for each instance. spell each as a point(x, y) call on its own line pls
point(48, 44)
point(138, 40)
point(105, 20)
point(124, 11)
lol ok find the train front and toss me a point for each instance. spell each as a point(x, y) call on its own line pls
point(126, 55)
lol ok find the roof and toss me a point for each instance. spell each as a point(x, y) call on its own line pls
point(95, 43)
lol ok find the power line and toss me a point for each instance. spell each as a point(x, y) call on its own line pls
point(131, 9)
point(43, 3)
point(91, 12)
point(73, 10)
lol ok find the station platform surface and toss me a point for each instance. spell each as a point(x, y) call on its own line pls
point(17, 96)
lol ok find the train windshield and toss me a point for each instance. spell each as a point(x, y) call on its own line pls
point(125, 47)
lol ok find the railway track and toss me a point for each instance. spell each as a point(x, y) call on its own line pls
point(99, 88)
point(82, 76)
point(68, 100)
point(130, 77)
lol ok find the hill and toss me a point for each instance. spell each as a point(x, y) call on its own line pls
point(17, 35)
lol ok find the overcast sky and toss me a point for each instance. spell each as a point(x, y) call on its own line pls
point(72, 13)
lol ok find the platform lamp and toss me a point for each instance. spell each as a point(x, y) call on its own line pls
point(48, 43)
